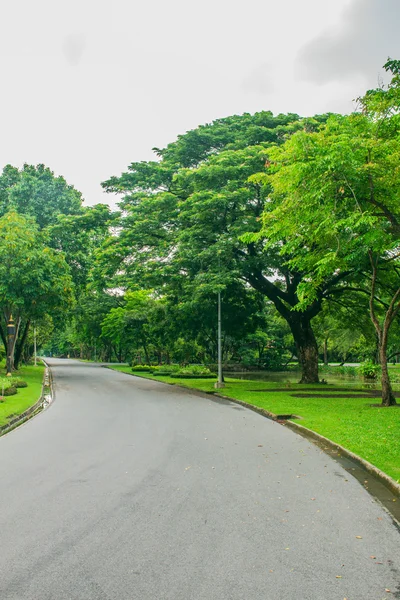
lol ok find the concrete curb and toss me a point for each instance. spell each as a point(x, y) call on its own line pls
point(385, 479)
point(41, 404)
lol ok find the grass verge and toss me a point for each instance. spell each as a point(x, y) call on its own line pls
point(26, 397)
point(373, 433)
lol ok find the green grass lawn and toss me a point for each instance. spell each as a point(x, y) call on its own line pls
point(26, 397)
point(370, 432)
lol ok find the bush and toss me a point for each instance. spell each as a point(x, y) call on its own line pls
point(10, 391)
point(5, 383)
point(344, 370)
point(193, 372)
point(164, 373)
point(142, 369)
point(187, 376)
point(369, 370)
point(170, 368)
point(18, 382)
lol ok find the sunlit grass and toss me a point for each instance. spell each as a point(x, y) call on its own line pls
point(26, 397)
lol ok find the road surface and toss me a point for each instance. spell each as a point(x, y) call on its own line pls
point(128, 489)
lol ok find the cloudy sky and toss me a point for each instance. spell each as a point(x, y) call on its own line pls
point(89, 86)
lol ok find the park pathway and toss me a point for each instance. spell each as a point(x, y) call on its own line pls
point(128, 489)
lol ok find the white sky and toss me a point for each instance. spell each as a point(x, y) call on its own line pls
point(88, 86)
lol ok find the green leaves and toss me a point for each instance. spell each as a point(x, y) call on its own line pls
point(35, 191)
point(34, 279)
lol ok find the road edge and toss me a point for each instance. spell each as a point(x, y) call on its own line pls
point(45, 399)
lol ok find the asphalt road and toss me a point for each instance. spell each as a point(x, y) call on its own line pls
point(128, 489)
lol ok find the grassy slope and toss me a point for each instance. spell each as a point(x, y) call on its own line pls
point(26, 397)
point(372, 433)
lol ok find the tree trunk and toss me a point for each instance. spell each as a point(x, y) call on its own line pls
point(146, 352)
point(299, 322)
point(307, 348)
point(3, 337)
point(326, 352)
point(20, 345)
point(388, 398)
point(382, 332)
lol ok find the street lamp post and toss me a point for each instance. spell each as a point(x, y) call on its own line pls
point(220, 383)
point(34, 345)
point(10, 344)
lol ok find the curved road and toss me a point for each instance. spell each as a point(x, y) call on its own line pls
point(128, 489)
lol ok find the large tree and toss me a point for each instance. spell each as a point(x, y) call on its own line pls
point(71, 230)
point(336, 202)
point(37, 192)
point(185, 218)
point(34, 279)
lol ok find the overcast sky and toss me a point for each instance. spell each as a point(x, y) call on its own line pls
point(88, 86)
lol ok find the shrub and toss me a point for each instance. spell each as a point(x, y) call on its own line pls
point(18, 382)
point(160, 373)
point(346, 371)
point(5, 383)
point(165, 370)
point(369, 370)
point(142, 368)
point(193, 372)
point(10, 391)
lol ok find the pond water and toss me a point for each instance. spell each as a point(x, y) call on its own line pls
point(294, 377)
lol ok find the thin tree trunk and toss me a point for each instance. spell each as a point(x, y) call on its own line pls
point(3, 337)
point(20, 345)
point(146, 352)
point(382, 332)
point(326, 352)
point(388, 398)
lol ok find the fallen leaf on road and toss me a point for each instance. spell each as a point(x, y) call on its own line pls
point(358, 537)
point(312, 498)
point(386, 590)
point(372, 556)
point(338, 577)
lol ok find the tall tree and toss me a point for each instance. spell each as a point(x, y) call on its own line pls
point(336, 203)
point(37, 192)
point(34, 279)
point(185, 218)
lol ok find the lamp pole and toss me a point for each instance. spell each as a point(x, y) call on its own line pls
point(10, 345)
point(34, 345)
point(220, 383)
